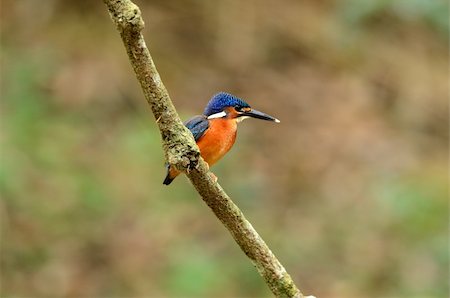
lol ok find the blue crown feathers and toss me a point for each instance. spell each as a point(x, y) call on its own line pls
point(222, 100)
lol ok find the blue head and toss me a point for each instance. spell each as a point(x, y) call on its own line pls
point(222, 100)
point(225, 105)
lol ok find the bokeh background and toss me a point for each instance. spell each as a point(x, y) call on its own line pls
point(349, 190)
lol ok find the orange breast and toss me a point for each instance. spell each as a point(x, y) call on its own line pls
point(217, 140)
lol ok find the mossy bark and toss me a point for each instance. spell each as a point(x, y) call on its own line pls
point(182, 152)
point(179, 147)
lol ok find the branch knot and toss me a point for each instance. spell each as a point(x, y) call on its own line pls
point(128, 16)
point(182, 158)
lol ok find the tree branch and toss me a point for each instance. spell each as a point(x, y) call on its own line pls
point(182, 152)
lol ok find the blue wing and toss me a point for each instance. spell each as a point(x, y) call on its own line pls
point(198, 125)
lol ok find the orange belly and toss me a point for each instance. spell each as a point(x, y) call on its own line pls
point(217, 140)
point(215, 143)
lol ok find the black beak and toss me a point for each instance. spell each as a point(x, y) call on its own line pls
point(259, 115)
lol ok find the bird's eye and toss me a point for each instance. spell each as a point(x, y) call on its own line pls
point(242, 109)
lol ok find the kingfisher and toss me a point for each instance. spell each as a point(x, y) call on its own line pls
point(215, 130)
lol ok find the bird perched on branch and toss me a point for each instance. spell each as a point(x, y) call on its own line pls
point(215, 130)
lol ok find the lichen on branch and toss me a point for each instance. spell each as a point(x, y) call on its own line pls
point(179, 148)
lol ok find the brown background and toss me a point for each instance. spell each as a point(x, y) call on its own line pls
point(349, 190)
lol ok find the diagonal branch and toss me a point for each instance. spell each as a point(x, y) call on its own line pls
point(182, 152)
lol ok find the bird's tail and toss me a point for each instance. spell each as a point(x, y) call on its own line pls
point(171, 175)
point(168, 179)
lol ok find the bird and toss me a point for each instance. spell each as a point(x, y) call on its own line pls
point(215, 130)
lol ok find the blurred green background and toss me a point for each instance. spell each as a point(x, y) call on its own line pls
point(349, 190)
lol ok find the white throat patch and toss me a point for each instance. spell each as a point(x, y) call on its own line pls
point(217, 115)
